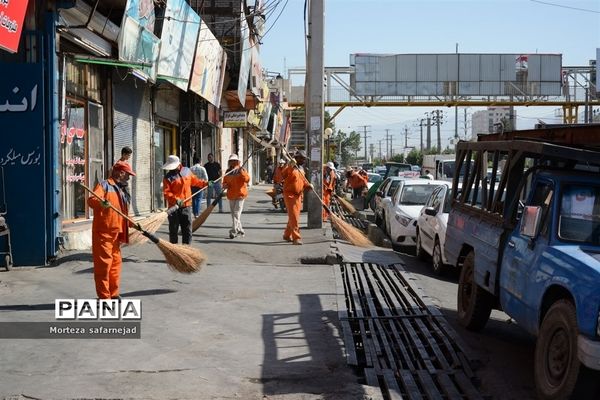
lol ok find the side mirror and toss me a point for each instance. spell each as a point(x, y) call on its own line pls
point(530, 222)
point(379, 193)
point(430, 211)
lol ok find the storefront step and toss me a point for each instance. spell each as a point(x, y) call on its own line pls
point(77, 236)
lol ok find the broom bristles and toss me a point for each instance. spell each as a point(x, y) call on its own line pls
point(149, 224)
point(347, 205)
point(350, 233)
point(181, 258)
point(197, 222)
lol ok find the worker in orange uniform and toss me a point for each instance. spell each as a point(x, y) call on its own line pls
point(177, 188)
point(357, 181)
point(294, 185)
point(236, 183)
point(328, 186)
point(278, 181)
point(109, 229)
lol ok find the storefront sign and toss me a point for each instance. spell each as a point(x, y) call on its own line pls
point(22, 157)
point(178, 42)
point(234, 119)
point(209, 67)
point(12, 14)
point(137, 41)
point(246, 59)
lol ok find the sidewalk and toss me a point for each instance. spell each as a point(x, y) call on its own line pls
point(253, 324)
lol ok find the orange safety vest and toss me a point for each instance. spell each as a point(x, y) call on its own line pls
point(328, 180)
point(278, 174)
point(357, 181)
point(294, 182)
point(236, 184)
point(107, 219)
point(178, 183)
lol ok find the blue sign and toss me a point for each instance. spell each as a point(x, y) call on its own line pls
point(22, 158)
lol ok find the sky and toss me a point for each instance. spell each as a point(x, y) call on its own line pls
point(567, 27)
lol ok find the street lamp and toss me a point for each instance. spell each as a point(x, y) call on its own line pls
point(327, 133)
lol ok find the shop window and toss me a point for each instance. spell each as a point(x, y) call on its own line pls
point(73, 159)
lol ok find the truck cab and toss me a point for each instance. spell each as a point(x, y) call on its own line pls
point(531, 247)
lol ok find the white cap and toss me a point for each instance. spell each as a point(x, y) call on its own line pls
point(234, 157)
point(330, 165)
point(172, 163)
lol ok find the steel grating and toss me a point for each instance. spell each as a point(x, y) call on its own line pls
point(403, 345)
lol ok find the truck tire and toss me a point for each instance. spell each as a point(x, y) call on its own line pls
point(474, 303)
point(557, 367)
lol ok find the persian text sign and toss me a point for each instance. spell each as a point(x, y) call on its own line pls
point(12, 13)
point(234, 119)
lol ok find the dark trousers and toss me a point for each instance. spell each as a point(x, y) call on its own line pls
point(357, 192)
point(183, 218)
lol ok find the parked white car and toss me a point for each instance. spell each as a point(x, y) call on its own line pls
point(373, 178)
point(431, 228)
point(402, 212)
point(384, 194)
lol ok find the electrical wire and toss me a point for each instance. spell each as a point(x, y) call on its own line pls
point(563, 6)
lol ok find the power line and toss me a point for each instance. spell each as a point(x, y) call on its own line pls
point(563, 6)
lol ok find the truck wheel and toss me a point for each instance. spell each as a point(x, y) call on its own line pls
point(439, 268)
point(556, 364)
point(474, 303)
point(419, 252)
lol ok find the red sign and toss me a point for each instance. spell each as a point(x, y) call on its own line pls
point(12, 14)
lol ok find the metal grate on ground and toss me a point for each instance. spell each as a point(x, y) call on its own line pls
point(402, 345)
point(338, 210)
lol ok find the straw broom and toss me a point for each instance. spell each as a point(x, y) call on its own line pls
point(179, 258)
point(197, 222)
point(346, 231)
point(346, 205)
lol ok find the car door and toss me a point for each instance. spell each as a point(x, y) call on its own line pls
point(429, 227)
point(521, 256)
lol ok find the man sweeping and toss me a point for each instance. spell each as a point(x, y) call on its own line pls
point(294, 185)
point(328, 186)
point(177, 188)
point(236, 183)
point(109, 229)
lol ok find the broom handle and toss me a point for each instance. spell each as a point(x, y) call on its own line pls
point(135, 224)
point(287, 154)
point(223, 176)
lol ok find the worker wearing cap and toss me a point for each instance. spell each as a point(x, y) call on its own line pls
point(177, 188)
point(277, 179)
point(328, 186)
point(357, 181)
point(109, 229)
point(294, 185)
point(236, 183)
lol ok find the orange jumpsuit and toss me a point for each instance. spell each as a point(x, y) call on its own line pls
point(177, 185)
point(277, 175)
point(109, 230)
point(294, 185)
point(357, 182)
point(328, 189)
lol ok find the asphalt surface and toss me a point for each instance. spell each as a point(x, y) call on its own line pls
point(254, 323)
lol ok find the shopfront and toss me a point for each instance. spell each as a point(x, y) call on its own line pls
point(81, 150)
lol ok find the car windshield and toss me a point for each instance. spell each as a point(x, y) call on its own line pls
point(374, 178)
point(395, 169)
point(416, 195)
point(579, 219)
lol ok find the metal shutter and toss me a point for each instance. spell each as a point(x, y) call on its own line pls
point(132, 127)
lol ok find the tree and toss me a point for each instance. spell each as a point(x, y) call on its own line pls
point(398, 158)
point(350, 143)
point(415, 157)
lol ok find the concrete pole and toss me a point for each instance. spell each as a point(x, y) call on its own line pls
point(315, 109)
point(428, 132)
point(438, 120)
point(421, 125)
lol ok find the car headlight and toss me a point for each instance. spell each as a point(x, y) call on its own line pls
point(404, 220)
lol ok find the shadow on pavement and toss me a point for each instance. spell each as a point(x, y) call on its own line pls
point(148, 292)
point(27, 307)
point(303, 355)
point(87, 257)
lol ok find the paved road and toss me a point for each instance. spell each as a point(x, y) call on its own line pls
point(506, 351)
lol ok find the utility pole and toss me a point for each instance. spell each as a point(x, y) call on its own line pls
point(371, 151)
point(365, 137)
point(315, 109)
point(438, 121)
point(387, 144)
point(421, 125)
point(380, 155)
point(465, 124)
point(405, 137)
point(428, 131)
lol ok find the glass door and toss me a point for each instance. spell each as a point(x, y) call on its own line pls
point(95, 145)
point(73, 144)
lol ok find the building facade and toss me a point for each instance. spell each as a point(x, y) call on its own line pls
point(90, 77)
point(491, 120)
